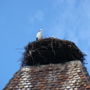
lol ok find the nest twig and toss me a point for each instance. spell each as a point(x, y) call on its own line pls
point(51, 50)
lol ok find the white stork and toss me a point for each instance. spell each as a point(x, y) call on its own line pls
point(39, 35)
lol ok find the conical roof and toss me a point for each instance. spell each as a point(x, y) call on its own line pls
point(61, 67)
point(69, 76)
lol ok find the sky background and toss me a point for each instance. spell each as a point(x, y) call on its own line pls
point(20, 20)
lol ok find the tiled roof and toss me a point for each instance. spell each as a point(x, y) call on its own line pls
point(51, 64)
point(71, 75)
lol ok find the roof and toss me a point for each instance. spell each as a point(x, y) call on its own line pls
point(71, 75)
point(51, 64)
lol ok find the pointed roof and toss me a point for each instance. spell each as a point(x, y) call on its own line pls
point(69, 76)
point(51, 64)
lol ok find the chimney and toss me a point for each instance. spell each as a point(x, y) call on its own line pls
point(51, 64)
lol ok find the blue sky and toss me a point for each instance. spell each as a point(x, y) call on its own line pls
point(21, 19)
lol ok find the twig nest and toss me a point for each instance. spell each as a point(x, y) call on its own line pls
point(51, 51)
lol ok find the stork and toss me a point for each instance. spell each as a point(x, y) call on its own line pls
point(39, 35)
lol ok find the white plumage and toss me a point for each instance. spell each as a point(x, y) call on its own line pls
point(39, 35)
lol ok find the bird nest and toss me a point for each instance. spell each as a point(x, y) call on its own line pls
point(51, 51)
